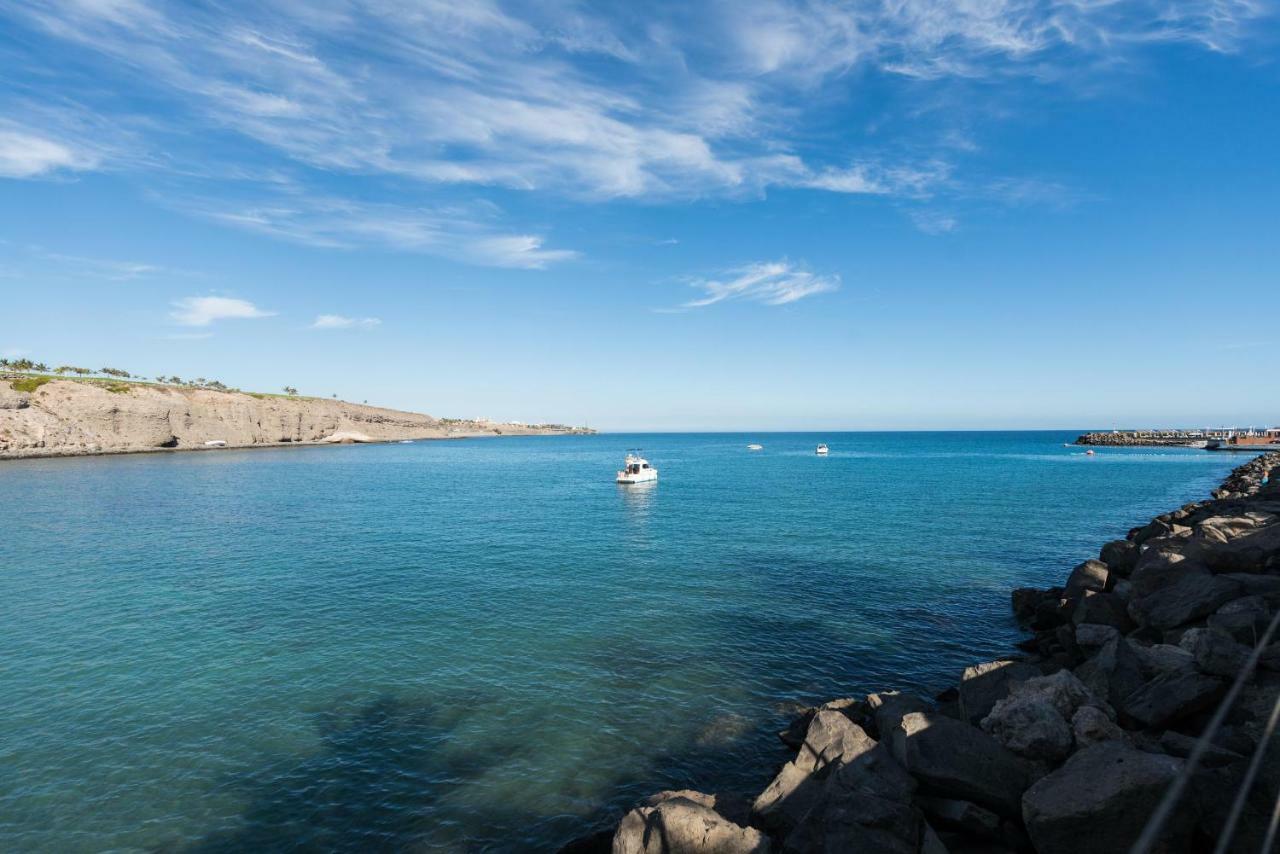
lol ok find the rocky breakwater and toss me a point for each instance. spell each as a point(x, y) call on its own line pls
point(68, 418)
point(1069, 745)
point(1132, 439)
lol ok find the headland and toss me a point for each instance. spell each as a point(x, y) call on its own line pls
point(60, 417)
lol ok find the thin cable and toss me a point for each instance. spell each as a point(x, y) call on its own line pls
point(1156, 823)
point(1271, 831)
point(1237, 806)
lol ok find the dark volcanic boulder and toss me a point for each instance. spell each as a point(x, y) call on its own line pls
point(1216, 652)
point(983, 685)
point(1090, 575)
point(1186, 600)
point(832, 740)
point(1104, 609)
point(1171, 697)
point(676, 823)
point(888, 707)
point(954, 760)
point(1100, 800)
point(1114, 672)
point(865, 805)
point(1120, 556)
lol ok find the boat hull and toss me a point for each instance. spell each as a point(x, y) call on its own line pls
point(644, 477)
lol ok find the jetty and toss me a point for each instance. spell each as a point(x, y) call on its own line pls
point(1213, 438)
point(1135, 716)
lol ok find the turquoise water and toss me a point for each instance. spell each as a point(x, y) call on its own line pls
point(488, 645)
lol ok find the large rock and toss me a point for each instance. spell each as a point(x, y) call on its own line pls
point(1120, 556)
point(1160, 567)
point(683, 825)
point(831, 737)
point(961, 816)
point(1170, 697)
point(864, 805)
point(952, 759)
point(983, 685)
point(1245, 619)
point(1100, 800)
point(1090, 575)
point(888, 707)
point(1104, 609)
point(1216, 652)
point(1090, 725)
point(832, 740)
point(1114, 672)
point(1248, 543)
point(1189, 599)
point(1034, 720)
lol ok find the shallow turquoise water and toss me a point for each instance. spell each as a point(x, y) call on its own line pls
point(488, 645)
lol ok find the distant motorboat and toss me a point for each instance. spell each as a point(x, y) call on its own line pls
point(636, 469)
point(216, 443)
point(1088, 453)
point(755, 447)
point(822, 450)
point(405, 442)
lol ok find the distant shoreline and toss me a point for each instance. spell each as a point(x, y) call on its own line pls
point(67, 418)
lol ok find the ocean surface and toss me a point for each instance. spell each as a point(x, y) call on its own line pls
point(488, 645)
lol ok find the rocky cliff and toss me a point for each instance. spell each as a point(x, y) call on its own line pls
point(1069, 745)
point(66, 417)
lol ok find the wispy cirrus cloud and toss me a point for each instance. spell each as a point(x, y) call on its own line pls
point(769, 282)
point(338, 321)
point(465, 233)
point(203, 311)
point(448, 101)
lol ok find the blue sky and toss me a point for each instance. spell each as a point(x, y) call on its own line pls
point(739, 215)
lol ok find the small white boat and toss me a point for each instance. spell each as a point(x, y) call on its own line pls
point(216, 443)
point(1088, 453)
point(405, 442)
point(636, 469)
point(755, 447)
point(822, 451)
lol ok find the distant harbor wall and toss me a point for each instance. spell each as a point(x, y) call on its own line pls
point(1077, 738)
point(1235, 436)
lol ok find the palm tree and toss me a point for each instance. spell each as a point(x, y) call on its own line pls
point(40, 367)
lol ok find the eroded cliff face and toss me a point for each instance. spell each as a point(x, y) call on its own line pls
point(67, 418)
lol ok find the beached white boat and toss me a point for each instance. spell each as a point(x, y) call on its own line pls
point(822, 450)
point(216, 443)
point(755, 447)
point(636, 469)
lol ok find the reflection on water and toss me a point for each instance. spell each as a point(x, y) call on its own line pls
point(638, 499)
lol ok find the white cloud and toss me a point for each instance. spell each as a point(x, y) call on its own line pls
point(337, 321)
point(451, 99)
point(771, 283)
point(25, 155)
point(934, 222)
point(461, 233)
point(202, 311)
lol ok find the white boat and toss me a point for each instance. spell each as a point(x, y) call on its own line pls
point(822, 451)
point(755, 447)
point(636, 469)
point(216, 443)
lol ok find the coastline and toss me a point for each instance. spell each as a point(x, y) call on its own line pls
point(1077, 735)
point(66, 418)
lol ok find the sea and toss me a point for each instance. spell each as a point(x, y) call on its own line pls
point(488, 645)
